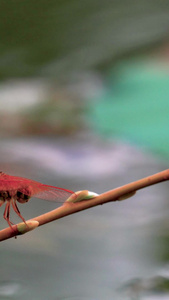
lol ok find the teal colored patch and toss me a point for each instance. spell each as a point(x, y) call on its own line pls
point(135, 106)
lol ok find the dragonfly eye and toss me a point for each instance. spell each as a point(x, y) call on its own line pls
point(21, 197)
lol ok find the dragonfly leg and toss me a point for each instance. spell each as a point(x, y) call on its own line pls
point(16, 209)
point(7, 213)
point(1, 202)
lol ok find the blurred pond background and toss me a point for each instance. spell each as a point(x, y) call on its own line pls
point(84, 104)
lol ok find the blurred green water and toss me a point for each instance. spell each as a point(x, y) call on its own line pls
point(135, 106)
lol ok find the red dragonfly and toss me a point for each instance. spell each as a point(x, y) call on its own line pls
point(14, 188)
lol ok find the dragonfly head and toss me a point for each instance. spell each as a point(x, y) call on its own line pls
point(21, 197)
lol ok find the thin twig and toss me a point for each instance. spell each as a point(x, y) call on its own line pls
point(68, 208)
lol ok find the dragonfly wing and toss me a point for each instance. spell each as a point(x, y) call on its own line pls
point(53, 194)
point(46, 192)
